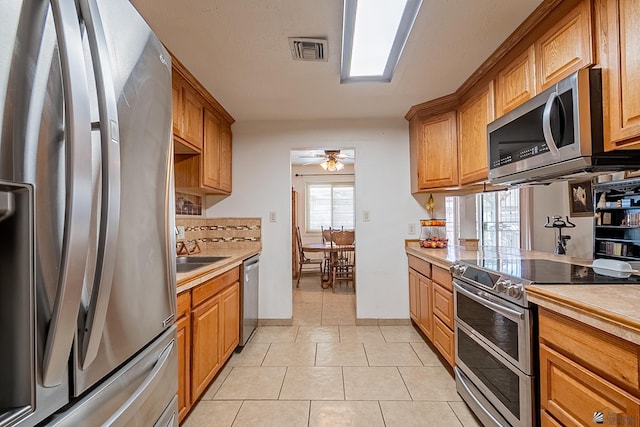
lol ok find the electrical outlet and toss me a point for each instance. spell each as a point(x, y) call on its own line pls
point(273, 216)
point(412, 229)
point(366, 217)
point(180, 235)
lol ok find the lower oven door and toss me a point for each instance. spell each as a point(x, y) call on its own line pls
point(508, 390)
point(500, 324)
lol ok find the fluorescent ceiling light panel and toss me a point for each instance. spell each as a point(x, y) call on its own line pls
point(373, 36)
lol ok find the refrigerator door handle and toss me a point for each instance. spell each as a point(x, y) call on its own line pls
point(141, 394)
point(75, 241)
point(109, 219)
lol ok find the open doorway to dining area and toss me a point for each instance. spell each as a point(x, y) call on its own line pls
point(323, 234)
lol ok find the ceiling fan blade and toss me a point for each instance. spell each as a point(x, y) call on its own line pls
point(313, 162)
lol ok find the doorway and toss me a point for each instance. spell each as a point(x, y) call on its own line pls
point(322, 197)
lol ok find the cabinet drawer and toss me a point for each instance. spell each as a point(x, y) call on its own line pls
point(572, 394)
point(444, 341)
point(443, 304)
point(421, 266)
point(610, 357)
point(213, 286)
point(547, 420)
point(443, 277)
point(183, 304)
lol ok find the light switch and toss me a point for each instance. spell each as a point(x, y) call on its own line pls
point(273, 216)
point(366, 216)
point(412, 229)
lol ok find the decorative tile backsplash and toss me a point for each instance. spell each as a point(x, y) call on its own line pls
point(228, 233)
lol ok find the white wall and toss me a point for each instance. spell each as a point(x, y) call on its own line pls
point(262, 183)
point(552, 200)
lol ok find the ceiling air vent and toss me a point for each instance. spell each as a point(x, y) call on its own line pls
point(306, 49)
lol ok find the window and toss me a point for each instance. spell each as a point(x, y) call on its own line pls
point(453, 220)
point(329, 205)
point(498, 218)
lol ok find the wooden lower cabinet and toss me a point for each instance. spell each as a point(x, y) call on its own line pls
point(585, 373)
point(572, 394)
point(205, 345)
point(431, 305)
point(183, 338)
point(414, 295)
point(443, 339)
point(425, 317)
point(208, 323)
point(230, 315)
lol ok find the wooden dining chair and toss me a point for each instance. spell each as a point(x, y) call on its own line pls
point(303, 259)
point(326, 255)
point(343, 262)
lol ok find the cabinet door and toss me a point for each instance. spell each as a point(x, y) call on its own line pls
point(230, 306)
point(414, 290)
point(225, 158)
point(183, 338)
point(565, 48)
point(192, 112)
point(473, 117)
point(176, 97)
point(443, 304)
point(516, 83)
point(425, 311)
point(206, 357)
point(437, 151)
point(572, 394)
point(444, 341)
point(621, 76)
point(211, 151)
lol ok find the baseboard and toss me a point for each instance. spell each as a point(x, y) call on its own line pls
point(383, 322)
point(275, 322)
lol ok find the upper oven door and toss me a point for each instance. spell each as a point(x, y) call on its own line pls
point(552, 127)
point(501, 325)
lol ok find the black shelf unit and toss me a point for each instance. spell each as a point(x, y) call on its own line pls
point(616, 228)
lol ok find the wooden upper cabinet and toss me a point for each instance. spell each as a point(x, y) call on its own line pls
point(436, 150)
point(516, 83)
point(565, 48)
point(176, 98)
point(225, 157)
point(473, 117)
point(187, 114)
point(621, 75)
point(211, 151)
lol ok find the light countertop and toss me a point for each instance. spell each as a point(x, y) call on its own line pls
point(612, 308)
point(188, 280)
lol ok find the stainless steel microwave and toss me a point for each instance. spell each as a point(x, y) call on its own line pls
point(557, 134)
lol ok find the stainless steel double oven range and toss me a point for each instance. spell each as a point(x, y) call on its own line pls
point(496, 332)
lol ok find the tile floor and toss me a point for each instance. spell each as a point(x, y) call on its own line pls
point(324, 371)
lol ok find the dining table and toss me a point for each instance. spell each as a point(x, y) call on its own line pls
point(332, 249)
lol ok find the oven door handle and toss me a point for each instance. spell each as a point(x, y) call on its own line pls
point(505, 311)
point(479, 405)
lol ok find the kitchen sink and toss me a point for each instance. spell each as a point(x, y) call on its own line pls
point(199, 259)
point(187, 263)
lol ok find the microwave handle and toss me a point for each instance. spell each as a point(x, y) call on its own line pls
point(546, 124)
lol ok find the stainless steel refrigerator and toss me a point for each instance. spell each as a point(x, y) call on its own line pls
point(87, 249)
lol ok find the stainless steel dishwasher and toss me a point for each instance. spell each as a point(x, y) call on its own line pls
point(249, 299)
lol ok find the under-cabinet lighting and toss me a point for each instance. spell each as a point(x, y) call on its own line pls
point(373, 35)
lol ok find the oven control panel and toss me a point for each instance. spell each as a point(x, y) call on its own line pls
point(495, 282)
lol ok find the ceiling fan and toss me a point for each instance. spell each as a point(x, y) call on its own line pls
point(329, 161)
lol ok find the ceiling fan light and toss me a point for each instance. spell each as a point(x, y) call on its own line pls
point(339, 165)
point(324, 165)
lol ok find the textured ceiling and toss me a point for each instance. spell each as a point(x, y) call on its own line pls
point(238, 49)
